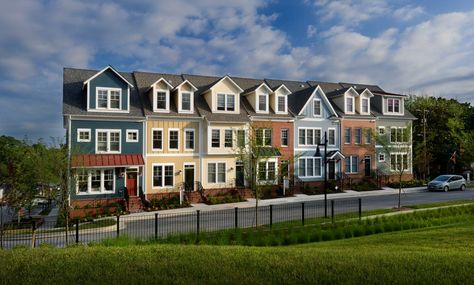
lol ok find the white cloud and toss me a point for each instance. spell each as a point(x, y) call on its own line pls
point(408, 12)
point(351, 12)
point(311, 31)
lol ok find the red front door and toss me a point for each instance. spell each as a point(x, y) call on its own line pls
point(132, 184)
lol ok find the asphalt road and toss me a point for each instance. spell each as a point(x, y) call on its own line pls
point(146, 226)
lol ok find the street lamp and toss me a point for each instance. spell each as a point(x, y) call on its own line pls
point(318, 154)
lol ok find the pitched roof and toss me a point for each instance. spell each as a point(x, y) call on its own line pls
point(297, 100)
point(75, 98)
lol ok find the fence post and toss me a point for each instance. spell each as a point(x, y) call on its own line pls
point(236, 217)
point(156, 225)
point(118, 226)
point(360, 208)
point(197, 224)
point(302, 213)
point(271, 216)
point(332, 211)
point(77, 231)
point(33, 236)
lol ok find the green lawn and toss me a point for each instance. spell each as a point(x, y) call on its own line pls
point(437, 255)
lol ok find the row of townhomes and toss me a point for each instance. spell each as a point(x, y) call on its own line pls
point(143, 135)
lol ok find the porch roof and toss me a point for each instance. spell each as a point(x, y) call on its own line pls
point(97, 160)
point(335, 155)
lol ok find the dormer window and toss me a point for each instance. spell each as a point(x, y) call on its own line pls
point(262, 103)
point(161, 100)
point(349, 104)
point(185, 97)
point(365, 105)
point(281, 104)
point(394, 106)
point(317, 108)
point(109, 98)
point(225, 102)
point(186, 101)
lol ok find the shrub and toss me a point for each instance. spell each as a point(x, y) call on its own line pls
point(407, 184)
point(365, 186)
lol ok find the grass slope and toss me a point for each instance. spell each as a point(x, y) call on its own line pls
point(442, 255)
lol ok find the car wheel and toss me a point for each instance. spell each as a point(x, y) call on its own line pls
point(463, 187)
point(446, 188)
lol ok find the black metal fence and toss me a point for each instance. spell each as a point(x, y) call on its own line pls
point(145, 226)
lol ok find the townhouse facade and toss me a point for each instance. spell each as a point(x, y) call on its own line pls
point(146, 135)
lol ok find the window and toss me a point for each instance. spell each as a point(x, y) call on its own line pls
point(132, 136)
point(351, 164)
point(349, 104)
point(226, 102)
point(347, 135)
point(241, 138)
point(108, 141)
point(381, 157)
point(309, 167)
point(228, 138)
point(365, 105)
point(95, 181)
point(331, 136)
point(266, 171)
point(393, 105)
point(358, 134)
point(108, 98)
point(163, 175)
point(381, 131)
point(264, 137)
point(161, 100)
point(316, 107)
point(399, 162)
point(301, 136)
point(189, 139)
point(284, 137)
point(157, 139)
point(309, 137)
point(368, 135)
point(216, 172)
point(262, 103)
point(173, 136)
point(281, 104)
point(83, 135)
point(185, 101)
point(399, 135)
point(215, 138)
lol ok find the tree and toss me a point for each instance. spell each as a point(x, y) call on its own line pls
point(397, 148)
point(253, 150)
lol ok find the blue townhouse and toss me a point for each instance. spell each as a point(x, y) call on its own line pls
point(104, 120)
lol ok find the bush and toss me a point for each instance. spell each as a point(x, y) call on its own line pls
point(168, 203)
point(365, 186)
point(407, 184)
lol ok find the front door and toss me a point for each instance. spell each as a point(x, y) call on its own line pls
point(189, 177)
point(331, 169)
point(239, 174)
point(132, 183)
point(367, 165)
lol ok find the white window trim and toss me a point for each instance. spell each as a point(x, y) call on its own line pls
point(287, 137)
point(89, 182)
point(155, 103)
point(381, 159)
point(350, 136)
point(163, 178)
point(400, 107)
point(83, 131)
point(266, 161)
point(108, 89)
point(335, 137)
point(368, 105)
point(396, 157)
point(162, 139)
point(180, 102)
point(360, 137)
point(314, 136)
point(169, 139)
point(232, 141)
point(108, 131)
point(286, 104)
point(193, 164)
point(397, 130)
point(384, 130)
point(217, 172)
point(210, 138)
point(132, 131)
point(264, 136)
point(320, 108)
point(194, 139)
point(351, 157)
point(225, 103)
point(257, 98)
point(306, 158)
point(353, 104)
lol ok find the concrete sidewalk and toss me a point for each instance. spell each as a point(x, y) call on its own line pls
point(298, 198)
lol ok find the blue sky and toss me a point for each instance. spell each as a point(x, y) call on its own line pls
point(418, 47)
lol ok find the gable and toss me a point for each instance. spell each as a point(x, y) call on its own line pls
point(308, 110)
point(226, 85)
point(107, 79)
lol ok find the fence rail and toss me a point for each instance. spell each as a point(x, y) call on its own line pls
point(147, 226)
